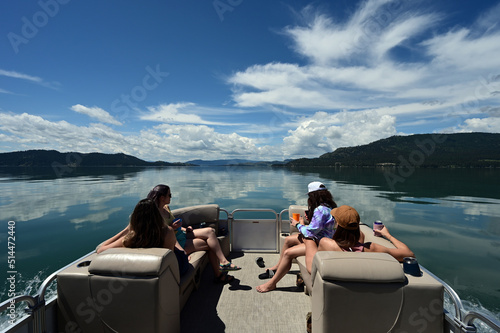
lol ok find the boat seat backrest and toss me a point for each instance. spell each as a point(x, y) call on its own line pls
point(194, 215)
point(122, 290)
point(369, 292)
point(209, 214)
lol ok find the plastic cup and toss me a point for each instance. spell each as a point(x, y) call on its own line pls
point(377, 225)
point(296, 216)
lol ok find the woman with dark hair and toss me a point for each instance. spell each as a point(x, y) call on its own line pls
point(320, 203)
point(348, 237)
point(190, 240)
point(145, 230)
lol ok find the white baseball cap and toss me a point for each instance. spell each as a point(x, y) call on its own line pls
point(315, 186)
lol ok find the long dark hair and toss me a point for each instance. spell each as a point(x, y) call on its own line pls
point(317, 198)
point(346, 238)
point(157, 192)
point(146, 226)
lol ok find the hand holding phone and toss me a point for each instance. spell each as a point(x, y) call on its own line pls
point(177, 223)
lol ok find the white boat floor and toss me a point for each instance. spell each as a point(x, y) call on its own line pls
point(238, 307)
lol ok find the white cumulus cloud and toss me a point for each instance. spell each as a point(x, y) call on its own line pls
point(96, 113)
point(324, 132)
point(176, 113)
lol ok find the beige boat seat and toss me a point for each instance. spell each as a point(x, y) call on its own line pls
point(369, 292)
point(121, 290)
point(134, 290)
point(208, 214)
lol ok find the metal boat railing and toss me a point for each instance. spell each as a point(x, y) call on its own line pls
point(36, 304)
point(277, 220)
point(460, 322)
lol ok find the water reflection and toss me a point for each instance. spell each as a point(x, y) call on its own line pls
point(450, 221)
point(427, 183)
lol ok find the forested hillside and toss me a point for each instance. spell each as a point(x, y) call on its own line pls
point(420, 150)
point(51, 158)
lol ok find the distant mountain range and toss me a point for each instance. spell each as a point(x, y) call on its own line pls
point(53, 158)
point(236, 162)
point(420, 150)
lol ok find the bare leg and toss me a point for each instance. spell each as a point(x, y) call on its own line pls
point(197, 244)
point(208, 234)
point(311, 249)
point(290, 241)
point(284, 267)
point(214, 262)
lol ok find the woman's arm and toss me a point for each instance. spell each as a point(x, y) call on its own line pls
point(169, 241)
point(317, 223)
point(399, 252)
point(115, 241)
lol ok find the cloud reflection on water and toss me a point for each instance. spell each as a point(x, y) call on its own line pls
point(446, 232)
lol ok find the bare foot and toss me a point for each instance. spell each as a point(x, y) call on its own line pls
point(264, 288)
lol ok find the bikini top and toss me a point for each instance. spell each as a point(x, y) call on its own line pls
point(167, 219)
point(359, 247)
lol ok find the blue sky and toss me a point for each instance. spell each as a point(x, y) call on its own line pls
point(179, 80)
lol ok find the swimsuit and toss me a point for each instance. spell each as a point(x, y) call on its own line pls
point(179, 233)
point(181, 236)
point(182, 258)
point(359, 247)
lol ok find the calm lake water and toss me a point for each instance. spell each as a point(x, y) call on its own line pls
point(450, 218)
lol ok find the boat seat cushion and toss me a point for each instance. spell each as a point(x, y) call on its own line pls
point(194, 215)
point(134, 262)
point(357, 267)
point(119, 283)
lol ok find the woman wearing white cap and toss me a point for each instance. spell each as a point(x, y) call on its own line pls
point(320, 204)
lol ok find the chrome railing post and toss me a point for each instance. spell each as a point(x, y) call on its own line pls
point(490, 321)
point(37, 313)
